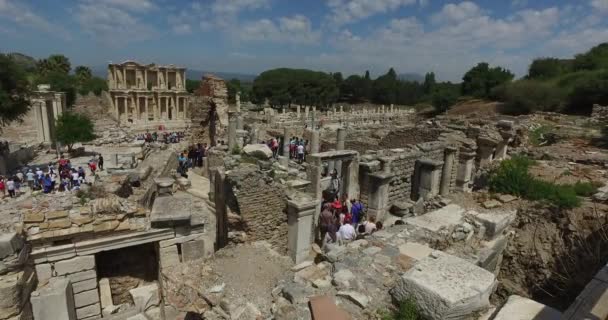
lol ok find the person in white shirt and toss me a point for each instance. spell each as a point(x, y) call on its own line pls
point(347, 233)
point(10, 186)
point(370, 226)
point(300, 149)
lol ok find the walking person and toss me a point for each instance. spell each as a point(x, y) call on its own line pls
point(100, 162)
point(2, 187)
point(10, 186)
point(300, 150)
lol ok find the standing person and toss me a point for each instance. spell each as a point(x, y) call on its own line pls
point(92, 167)
point(30, 177)
point(300, 149)
point(100, 162)
point(274, 147)
point(334, 184)
point(347, 233)
point(2, 186)
point(20, 176)
point(10, 186)
point(81, 173)
point(327, 223)
point(75, 182)
point(357, 211)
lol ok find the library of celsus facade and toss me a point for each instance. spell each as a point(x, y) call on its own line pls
point(148, 95)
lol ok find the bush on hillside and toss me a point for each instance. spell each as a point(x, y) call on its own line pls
point(512, 177)
point(526, 96)
point(406, 310)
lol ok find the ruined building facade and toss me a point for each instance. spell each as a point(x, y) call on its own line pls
point(147, 94)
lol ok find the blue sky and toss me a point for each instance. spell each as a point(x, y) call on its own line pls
point(250, 36)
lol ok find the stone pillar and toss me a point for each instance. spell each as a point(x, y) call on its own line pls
point(54, 301)
point(378, 201)
point(46, 125)
point(147, 114)
point(37, 105)
point(446, 174)
point(221, 215)
point(340, 138)
point(300, 216)
point(485, 150)
point(392, 108)
point(239, 122)
point(231, 132)
point(298, 111)
point(314, 141)
point(341, 109)
point(253, 135)
point(238, 102)
point(502, 146)
point(466, 164)
point(285, 158)
point(429, 178)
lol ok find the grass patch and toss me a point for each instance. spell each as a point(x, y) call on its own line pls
point(539, 135)
point(513, 177)
point(406, 310)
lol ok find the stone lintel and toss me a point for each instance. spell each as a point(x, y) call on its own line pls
point(451, 149)
point(121, 241)
point(432, 164)
point(382, 176)
point(335, 155)
point(303, 207)
point(486, 142)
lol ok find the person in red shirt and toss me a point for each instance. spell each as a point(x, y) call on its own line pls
point(92, 166)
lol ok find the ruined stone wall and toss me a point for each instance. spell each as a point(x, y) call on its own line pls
point(402, 138)
point(599, 113)
point(403, 166)
point(262, 206)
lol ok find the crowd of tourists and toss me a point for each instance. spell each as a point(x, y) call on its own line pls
point(297, 148)
point(56, 176)
point(342, 219)
point(163, 136)
point(193, 157)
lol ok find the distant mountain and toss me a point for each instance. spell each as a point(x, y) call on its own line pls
point(102, 71)
point(411, 77)
point(28, 63)
point(198, 75)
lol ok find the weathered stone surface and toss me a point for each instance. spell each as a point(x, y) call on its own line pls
point(60, 224)
point(343, 278)
point(14, 291)
point(259, 151)
point(106, 226)
point(33, 217)
point(193, 250)
point(88, 311)
point(444, 218)
point(169, 256)
point(301, 266)
point(414, 250)
point(84, 285)
point(360, 299)
point(54, 301)
point(86, 298)
point(297, 294)
point(247, 312)
point(491, 204)
point(57, 214)
point(506, 198)
point(324, 308)
point(495, 222)
point(446, 287)
point(81, 276)
point(10, 243)
point(523, 308)
point(43, 272)
point(105, 293)
point(283, 310)
point(145, 297)
point(75, 265)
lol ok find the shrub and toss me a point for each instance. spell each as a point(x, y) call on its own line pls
point(538, 135)
point(406, 310)
point(526, 96)
point(512, 177)
point(586, 189)
point(236, 149)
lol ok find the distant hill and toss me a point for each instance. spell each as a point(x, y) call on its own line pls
point(28, 63)
point(411, 77)
point(102, 71)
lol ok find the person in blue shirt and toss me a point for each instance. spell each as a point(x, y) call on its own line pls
point(356, 211)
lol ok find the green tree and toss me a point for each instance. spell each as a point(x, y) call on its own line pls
point(545, 68)
point(72, 128)
point(54, 63)
point(192, 85)
point(61, 82)
point(234, 86)
point(14, 91)
point(480, 80)
point(94, 84)
point(83, 74)
point(429, 83)
point(595, 58)
point(442, 100)
point(526, 96)
point(588, 91)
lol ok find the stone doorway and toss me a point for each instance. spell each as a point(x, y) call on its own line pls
point(125, 269)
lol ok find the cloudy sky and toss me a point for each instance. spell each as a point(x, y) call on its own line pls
point(250, 36)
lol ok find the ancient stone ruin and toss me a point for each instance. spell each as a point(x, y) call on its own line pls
point(238, 235)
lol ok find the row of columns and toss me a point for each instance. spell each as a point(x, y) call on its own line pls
point(162, 78)
point(170, 103)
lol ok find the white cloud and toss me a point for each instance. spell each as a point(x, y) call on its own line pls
point(21, 14)
point(294, 29)
point(181, 29)
point(519, 3)
point(350, 11)
point(454, 13)
point(233, 7)
point(131, 5)
point(112, 25)
point(600, 5)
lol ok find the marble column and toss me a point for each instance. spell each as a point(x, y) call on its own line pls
point(466, 164)
point(239, 122)
point(147, 113)
point(298, 111)
point(306, 112)
point(428, 178)
point(314, 141)
point(446, 174)
point(340, 141)
point(379, 194)
point(285, 157)
point(300, 220)
point(231, 132)
point(46, 129)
